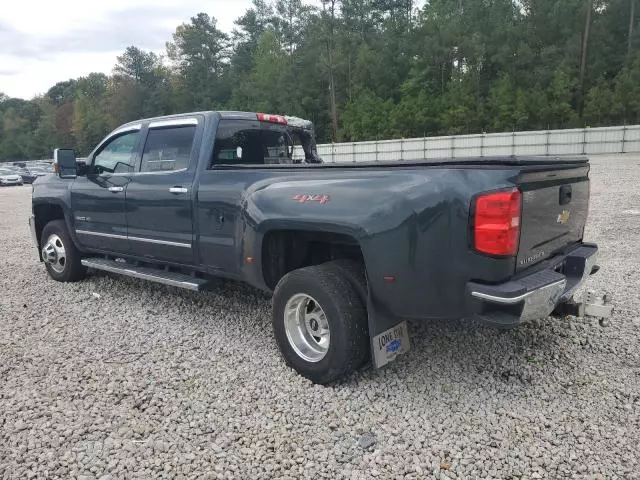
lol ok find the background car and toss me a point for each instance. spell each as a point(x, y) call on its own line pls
point(29, 174)
point(10, 177)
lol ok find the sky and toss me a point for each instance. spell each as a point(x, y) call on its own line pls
point(43, 42)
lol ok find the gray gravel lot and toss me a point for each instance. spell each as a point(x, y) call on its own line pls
point(148, 381)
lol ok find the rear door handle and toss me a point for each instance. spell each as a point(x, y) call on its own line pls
point(178, 190)
point(116, 189)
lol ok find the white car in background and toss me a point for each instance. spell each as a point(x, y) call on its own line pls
point(9, 177)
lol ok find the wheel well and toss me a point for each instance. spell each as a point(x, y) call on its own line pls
point(287, 250)
point(44, 214)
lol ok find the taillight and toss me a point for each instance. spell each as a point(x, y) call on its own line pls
point(496, 225)
point(266, 117)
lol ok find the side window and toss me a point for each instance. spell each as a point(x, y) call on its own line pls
point(117, 156)
point(237, 143)
point(168, 149)
point(247, 142)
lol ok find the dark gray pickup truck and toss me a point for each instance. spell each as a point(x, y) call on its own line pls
point(350, 251)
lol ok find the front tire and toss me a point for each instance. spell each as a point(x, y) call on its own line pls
point(60, 255)
point(320, 323)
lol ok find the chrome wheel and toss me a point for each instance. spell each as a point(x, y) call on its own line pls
point(307, 328)
point(53, 253)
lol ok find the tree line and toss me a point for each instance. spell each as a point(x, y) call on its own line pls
point(362, 70)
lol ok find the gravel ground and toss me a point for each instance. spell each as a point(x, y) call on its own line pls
point(118, 378)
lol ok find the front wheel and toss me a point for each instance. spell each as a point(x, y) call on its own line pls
point(320, 323)
point(61, 257)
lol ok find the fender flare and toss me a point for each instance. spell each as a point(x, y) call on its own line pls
point(66, 215)
point(253, 241)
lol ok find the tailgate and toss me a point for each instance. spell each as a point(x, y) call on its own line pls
point(555, 204)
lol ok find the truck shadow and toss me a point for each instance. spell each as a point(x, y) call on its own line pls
point(468, 353)
point(443, 352)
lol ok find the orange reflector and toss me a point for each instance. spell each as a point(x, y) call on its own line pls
point(250, 259)
point(389, 278)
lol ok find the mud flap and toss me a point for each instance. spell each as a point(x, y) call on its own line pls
point(388, 337)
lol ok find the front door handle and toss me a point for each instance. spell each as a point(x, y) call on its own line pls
point(178, 190)
point(116, 189)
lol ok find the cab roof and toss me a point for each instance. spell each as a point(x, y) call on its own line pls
point(226, 114)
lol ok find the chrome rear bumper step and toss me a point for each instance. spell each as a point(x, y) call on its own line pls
point(173, 279)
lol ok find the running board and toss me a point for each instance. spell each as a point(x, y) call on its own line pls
point(147, 273)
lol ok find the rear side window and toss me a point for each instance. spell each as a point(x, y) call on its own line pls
point(168, 149)
point(247, 142)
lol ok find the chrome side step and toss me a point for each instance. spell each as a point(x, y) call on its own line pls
point(147, 273)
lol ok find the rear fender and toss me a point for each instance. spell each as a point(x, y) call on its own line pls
point(253, 242)
point(379, 319)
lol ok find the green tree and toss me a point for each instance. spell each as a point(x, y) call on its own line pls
point(507, 106)
point(559, 112)
point(415, 115)
point(290, 22)
point(601, 108)
point(62, 92)
point(265, 89)
point(138, 65)
point(246, 35)
point(140, 87)
point(627, 92)
point(200, 56)
point(363, 69)
point(90, 122)
point(367, 117)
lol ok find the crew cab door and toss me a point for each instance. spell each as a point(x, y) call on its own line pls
point(238, 142)
point(98, 199)
point(160, 196)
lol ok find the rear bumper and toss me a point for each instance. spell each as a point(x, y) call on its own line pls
point(532, 295)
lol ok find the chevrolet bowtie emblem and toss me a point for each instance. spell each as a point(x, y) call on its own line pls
point(564, 217)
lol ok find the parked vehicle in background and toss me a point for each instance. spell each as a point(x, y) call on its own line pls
point(9, 177)
point(29, 175)
point(47, 167)
point(349, 251)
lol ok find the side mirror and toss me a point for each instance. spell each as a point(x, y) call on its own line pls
point(64, 163)
point(82, 167)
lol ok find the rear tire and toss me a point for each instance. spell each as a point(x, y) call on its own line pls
point(353, 271)
point(320, 323)
point(61, 257)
